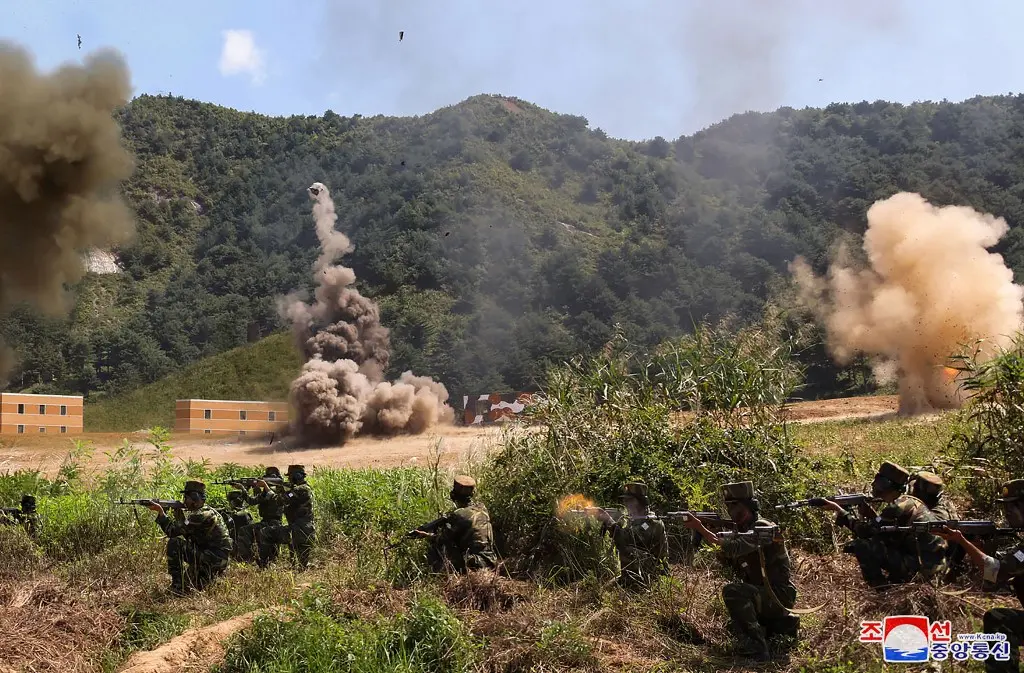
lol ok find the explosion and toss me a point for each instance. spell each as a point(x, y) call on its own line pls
point(61, 165)
point(931, 291)
point(571, 502)
point(341, 391)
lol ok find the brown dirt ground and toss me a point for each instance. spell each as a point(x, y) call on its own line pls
point(195, 650)
point(449, 444)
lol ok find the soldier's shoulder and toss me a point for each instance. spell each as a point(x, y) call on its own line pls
point(764, 523)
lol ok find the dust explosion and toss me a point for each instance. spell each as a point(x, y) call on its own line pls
point(932, 290)
point(341, 391)
point(61, 164)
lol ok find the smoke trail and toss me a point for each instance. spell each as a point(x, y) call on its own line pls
point(932, 289)
point(341, 392)
point(61, 162)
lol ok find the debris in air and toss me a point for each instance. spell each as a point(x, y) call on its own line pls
point(401, 34)
point(79, 41)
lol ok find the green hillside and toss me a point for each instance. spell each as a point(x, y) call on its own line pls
point(259, 371)
point(498, 236)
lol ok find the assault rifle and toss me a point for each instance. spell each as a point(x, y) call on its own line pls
point(970, 528)
point(759, 535)
point(844, 500)
point(166, 504)
point(249, 482)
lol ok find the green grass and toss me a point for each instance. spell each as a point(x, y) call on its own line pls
point(258, 371)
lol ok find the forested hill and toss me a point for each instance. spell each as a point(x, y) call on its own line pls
point(497, 236)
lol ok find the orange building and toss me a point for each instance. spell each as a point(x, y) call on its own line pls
point(24, 414)
point(230, 417)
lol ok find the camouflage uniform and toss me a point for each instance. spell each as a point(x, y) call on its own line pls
point(200, 540)
point(296, 502)
point(895, 558)
point(756, 613)
point(239, 522)
point(271, 512)
point(1007, 567)
point(464, 537)
point(642, 544)
point(928, 488)
point(26, 516)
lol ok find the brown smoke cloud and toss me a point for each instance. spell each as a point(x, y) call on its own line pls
point(931, 289)
point(341, 391)
point(61, 164)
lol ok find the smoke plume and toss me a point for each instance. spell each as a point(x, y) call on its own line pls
point(341, 391)
point(931, 289)
point(61, 163)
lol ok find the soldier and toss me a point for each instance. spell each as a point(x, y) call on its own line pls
point(639, 537)
point(891, 558)
point(271, 512)
point(239, 522)
point(296, 501)
point(929, 489)
point(197, 537)
point(462, 539)
point(759, 603)
point(1007, 566)
point(26, 516)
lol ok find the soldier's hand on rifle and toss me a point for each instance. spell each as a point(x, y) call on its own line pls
point(951, 534)
point(598, 513)
point(690, 521)
point(825, 503)
point(262, 484)
point(417, 533)
point(155, 506)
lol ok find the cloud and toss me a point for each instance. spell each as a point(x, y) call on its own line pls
point(240, 55)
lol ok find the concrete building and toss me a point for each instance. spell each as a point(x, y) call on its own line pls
point(230, 417)
point(24, 414)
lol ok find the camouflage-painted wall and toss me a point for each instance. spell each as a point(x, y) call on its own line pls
point(494, 407)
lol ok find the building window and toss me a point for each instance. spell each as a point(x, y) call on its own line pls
point(272, 416)
point(21, 408)
point(207, 414)
point(21, 429)
point(42, 429)
point(63, 410)
point(241, 415)
point(42, 408)
point(241, 433)
point(206, 432)
point(63, 429)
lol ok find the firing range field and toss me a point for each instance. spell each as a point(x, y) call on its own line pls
point(450, 443)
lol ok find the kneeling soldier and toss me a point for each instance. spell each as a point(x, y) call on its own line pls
point(640, 539)
point(1007, 566)
point(759, 603)
point(198, 539)
point(891, 558)
point(462, 539)
point(295, 499)
point(239, 522)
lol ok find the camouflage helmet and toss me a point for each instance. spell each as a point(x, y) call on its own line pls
point(463, 485)
point(634, 489)
point(893, 473)
point(195, 487)
point(1013, 491)
point(738, 492)
point(928, 482)
point(297, 471)
point(272, 472)
point(28, 502)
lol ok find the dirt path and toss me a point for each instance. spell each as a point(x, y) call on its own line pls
point(194, 650)
point(450, 443)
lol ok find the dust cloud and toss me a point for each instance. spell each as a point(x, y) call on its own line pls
point(61, 164)
point(931, 289)
point(341, 391)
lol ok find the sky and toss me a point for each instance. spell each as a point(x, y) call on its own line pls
point(635, 68)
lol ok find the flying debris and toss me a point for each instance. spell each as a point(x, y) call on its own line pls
point(79, 40)
point(401, 34)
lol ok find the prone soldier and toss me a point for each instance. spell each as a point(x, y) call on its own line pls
point(760, 601)
point(26, 515)
point(462, 539)
point(1006, 566)
point(891, 558)
point(197, 537)
point(639, 537)
point(929, 489)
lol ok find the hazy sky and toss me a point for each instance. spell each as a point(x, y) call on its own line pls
point(635, 68)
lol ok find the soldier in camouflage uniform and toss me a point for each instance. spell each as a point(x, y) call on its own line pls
point(271, 513)
point(462, 539)
point(639, 537)
point(1007, 566)
point(892, 558)
point(929, 489)
point(239, 522)
point(296, 502)
point(759, 602)
point(26, 515)
point(198, 538)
